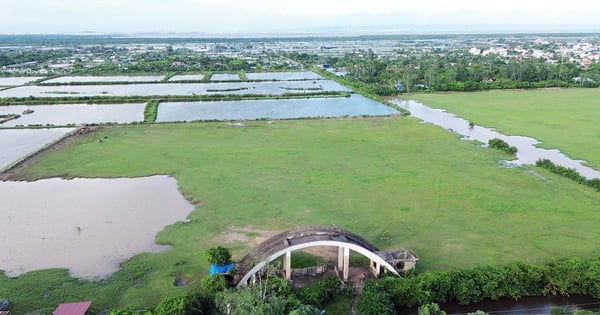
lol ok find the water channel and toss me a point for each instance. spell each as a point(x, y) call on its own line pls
point(541, 305)
point(528, 152)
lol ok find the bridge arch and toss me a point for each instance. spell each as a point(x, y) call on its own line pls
point(287, 242)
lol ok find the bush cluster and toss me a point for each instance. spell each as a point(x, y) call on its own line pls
point(568, 173)
point(501, 145)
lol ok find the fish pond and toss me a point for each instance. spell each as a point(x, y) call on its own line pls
point(356, 105)
point(14, 81)
point(158, 89)
point(283, 76)
point(61, 114)
point(18, 143)
point(93, 79)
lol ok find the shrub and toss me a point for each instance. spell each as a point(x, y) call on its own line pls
point(501, 145)
point(213, 284)
point(218, 255)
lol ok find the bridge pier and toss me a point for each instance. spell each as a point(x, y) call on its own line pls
point(287, 265)
point(344, 261)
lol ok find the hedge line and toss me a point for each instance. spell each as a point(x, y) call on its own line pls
point(563, 277)
point(570, 173)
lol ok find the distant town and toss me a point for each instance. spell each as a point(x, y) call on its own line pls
point(57, 55)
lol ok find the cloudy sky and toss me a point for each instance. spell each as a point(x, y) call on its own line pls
point(246, 16)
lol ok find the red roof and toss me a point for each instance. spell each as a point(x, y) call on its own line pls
point(4, 312)
point(78, 308)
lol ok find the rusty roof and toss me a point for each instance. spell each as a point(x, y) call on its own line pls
point(78, 308)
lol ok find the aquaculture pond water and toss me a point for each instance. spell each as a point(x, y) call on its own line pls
point(88, 79)
point(356, 105)
point(14, 81)
point(89, 226)
point(18, 143)
point(156, 89)
point(60, 115)
point(225, 77)
point(185, 77)
point(283, 76)
point(528, 152)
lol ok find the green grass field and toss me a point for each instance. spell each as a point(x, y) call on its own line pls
point(567, 119)
point(448, 200)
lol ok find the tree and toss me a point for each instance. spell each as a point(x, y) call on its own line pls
point(218, 256)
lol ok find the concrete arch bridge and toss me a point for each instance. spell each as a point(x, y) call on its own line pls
point(284, 244)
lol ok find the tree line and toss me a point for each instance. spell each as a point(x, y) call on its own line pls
point(458, 71)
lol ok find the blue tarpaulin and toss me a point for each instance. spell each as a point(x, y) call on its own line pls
point(216, 269)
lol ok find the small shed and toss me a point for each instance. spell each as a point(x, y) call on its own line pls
point(4, 312)
point(78, 308)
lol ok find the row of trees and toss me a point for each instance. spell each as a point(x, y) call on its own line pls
point(461, 71)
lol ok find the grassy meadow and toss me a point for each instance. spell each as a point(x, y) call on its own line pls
point(566, 119)
point(448, 200)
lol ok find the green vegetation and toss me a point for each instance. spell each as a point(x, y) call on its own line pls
point(560, 118)
point(563, 277)
point(457, 70)
point(568, 173)
point(446, 199)
point(501, 145)
point(151, 111)
point(218, 255)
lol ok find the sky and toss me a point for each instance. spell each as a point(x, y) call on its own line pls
point(252, 16)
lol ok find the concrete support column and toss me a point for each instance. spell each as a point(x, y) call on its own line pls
point(287, 263)
point(340, 261)
point(346, 262)
point(375, 268)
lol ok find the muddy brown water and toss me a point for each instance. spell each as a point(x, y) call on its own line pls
point(528, 152)
point(88, 226)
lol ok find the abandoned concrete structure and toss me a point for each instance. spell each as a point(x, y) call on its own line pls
point(285, 243)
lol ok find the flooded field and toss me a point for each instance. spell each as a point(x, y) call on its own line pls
point(122, 78)
point(61, 115)
point(283, 76)
point(18, 143)
point(187, 77)
point(356, 105)
point(528, 152)
point(158, 89)
point(14, 81)
point(89, 226)
point(225, 77)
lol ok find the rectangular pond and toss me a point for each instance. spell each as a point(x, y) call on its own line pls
point(284, 76)
point(356, 105)
point(161, 89)
point(65, 114)
point(15, 81)
point(187, 77)
point(16, 144)
point(225, 77)
point(120, 78)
